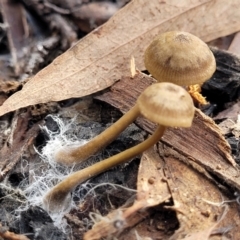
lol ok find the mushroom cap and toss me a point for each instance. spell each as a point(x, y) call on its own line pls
point(167, 104)
point(180, 58)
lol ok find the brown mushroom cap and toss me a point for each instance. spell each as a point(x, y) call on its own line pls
point(180, 58)
point(167, 104)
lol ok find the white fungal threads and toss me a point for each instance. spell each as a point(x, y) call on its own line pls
point(47, 173)
point(64, 137)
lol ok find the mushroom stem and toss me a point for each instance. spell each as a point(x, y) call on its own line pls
point(69, 155)
point(57, 198)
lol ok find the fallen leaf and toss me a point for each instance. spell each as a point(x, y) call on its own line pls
point(103, 57)
point(152, 188)
point(189, 188)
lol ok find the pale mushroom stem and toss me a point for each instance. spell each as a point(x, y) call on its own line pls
point(56, 199)
point(69, 155)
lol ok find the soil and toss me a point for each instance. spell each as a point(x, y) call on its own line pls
point(29, 130)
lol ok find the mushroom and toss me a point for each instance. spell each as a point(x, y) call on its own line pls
point(180, 58)
point(164, 103)
point(177, 57)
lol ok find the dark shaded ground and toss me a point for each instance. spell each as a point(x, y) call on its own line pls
point(51, 30)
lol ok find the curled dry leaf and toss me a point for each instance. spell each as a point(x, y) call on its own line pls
point(102, 57)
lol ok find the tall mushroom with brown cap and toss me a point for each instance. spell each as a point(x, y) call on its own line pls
point(166, 104)
point(180, 58)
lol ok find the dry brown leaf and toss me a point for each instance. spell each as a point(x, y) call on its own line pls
point(188, 188)
point(151, 185)
point(199, 203)
point(103, 57)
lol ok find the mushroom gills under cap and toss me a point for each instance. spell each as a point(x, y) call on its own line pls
point(180, 58)
point(167, 104)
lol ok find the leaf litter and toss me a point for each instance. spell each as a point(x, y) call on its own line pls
point(155, 186)
point(87, 61)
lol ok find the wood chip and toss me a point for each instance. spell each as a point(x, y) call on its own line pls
point(203, 143)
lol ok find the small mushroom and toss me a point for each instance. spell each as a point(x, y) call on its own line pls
point(180, 58)
point(166, 104)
